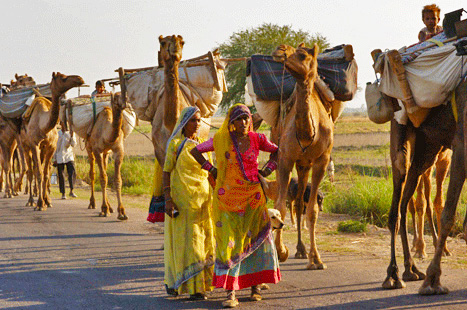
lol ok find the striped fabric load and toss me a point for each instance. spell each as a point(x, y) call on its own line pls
point(14, 103)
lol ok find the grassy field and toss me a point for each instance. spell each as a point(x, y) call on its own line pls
point(362, 187)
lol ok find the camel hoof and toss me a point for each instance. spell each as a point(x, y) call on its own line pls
point(409, 276)
point(111, 210)
point(263, 286)
point(391, 284)
point(40, 208)
point(301, 255)
point(429, 290)
point(91, 207)
point(122, 217)
point(419, 254)
point(313, 266)
point(283, 255)
point(103, 214)
point(447, 253)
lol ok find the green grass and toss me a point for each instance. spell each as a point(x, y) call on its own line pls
point(352, 226)
point(137, 174)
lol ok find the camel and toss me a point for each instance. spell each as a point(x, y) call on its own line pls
point(39, 132)
point(305, 140)
point(423, 204)
point(167, 113)
point(432, 283)
point(413, 150)
point(107, 135)
point(9, 129)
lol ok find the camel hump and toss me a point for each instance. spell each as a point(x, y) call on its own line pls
point(38, 100)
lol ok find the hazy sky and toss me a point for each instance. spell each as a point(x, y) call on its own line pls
point(92, 38)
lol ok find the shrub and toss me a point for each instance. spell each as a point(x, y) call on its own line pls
point(351, 226)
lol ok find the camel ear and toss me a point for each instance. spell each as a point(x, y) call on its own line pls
point(316, 50)
point(53, 75)
point(16, 76)
point(301, 44)
point(161, 38)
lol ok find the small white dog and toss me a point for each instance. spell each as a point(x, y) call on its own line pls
point(276, 218)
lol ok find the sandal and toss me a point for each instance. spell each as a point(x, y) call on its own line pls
point(171, 291)
point(255, 293)
point(231, 301)
point(198, 296)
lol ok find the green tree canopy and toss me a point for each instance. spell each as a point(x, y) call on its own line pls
point(261, 40)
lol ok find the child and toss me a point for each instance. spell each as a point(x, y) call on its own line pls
point(64, 158)
point(430, 17)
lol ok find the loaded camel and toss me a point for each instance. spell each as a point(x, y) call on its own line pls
point(9, 129)
point(413, 149)
point(39, 132)
point(423, 204)
point(107, 135)
point(305, 140)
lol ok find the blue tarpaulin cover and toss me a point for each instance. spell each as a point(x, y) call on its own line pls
point(270, 79)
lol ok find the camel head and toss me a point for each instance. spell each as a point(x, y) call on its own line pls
point(170, 49)
point(301, 62)
point(61, 82)
point(117, 102)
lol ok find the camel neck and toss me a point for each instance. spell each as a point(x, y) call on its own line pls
point(172, 89)
point(53, 112)
point(304, 110)
point(117, 119)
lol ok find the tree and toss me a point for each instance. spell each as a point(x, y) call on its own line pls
point(261, 40)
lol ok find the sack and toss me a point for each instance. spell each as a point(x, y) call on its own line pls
point(379, 106)
point(156, 209)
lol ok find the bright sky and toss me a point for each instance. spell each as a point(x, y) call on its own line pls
point(92, 38)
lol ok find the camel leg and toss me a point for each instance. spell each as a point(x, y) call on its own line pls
point(425, 153)
point(421, 205)
point(432, 284)
point(6, 169)
point(303, 173)
point(118, 158)
point(400, 150)
point(411, 208)
point(105, 162)
point(429, 206)
point(30, 176)
point(312, 211)
point(283, 177)
point(46, 177)
point(38, 174)
point(103, 178)
point(92, 200)
point(442, 168)
point(291, 207)
point(1, 180)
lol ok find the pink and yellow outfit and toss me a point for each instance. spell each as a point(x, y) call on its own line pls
point(245, 251)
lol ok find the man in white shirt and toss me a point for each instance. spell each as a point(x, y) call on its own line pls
point(64, 157)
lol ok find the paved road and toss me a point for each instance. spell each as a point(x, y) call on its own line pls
point(69, 258)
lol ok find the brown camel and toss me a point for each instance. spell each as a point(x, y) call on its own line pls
point(432, 283)
point(413, 150)
point(167, 113)
point(39, 132)
point(305, 140)
point(9, 129)
point(423, 204)
point(107, 135)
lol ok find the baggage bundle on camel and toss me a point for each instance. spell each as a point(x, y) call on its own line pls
point(268, 83)
point(15, 102)
point(420, 77)
point(81, 114)
point(201, 82)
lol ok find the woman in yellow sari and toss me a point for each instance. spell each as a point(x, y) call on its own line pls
point(245, 251)
point(188, 230)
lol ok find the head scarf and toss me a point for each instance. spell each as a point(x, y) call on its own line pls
point(185, 116)
point(223, 139)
